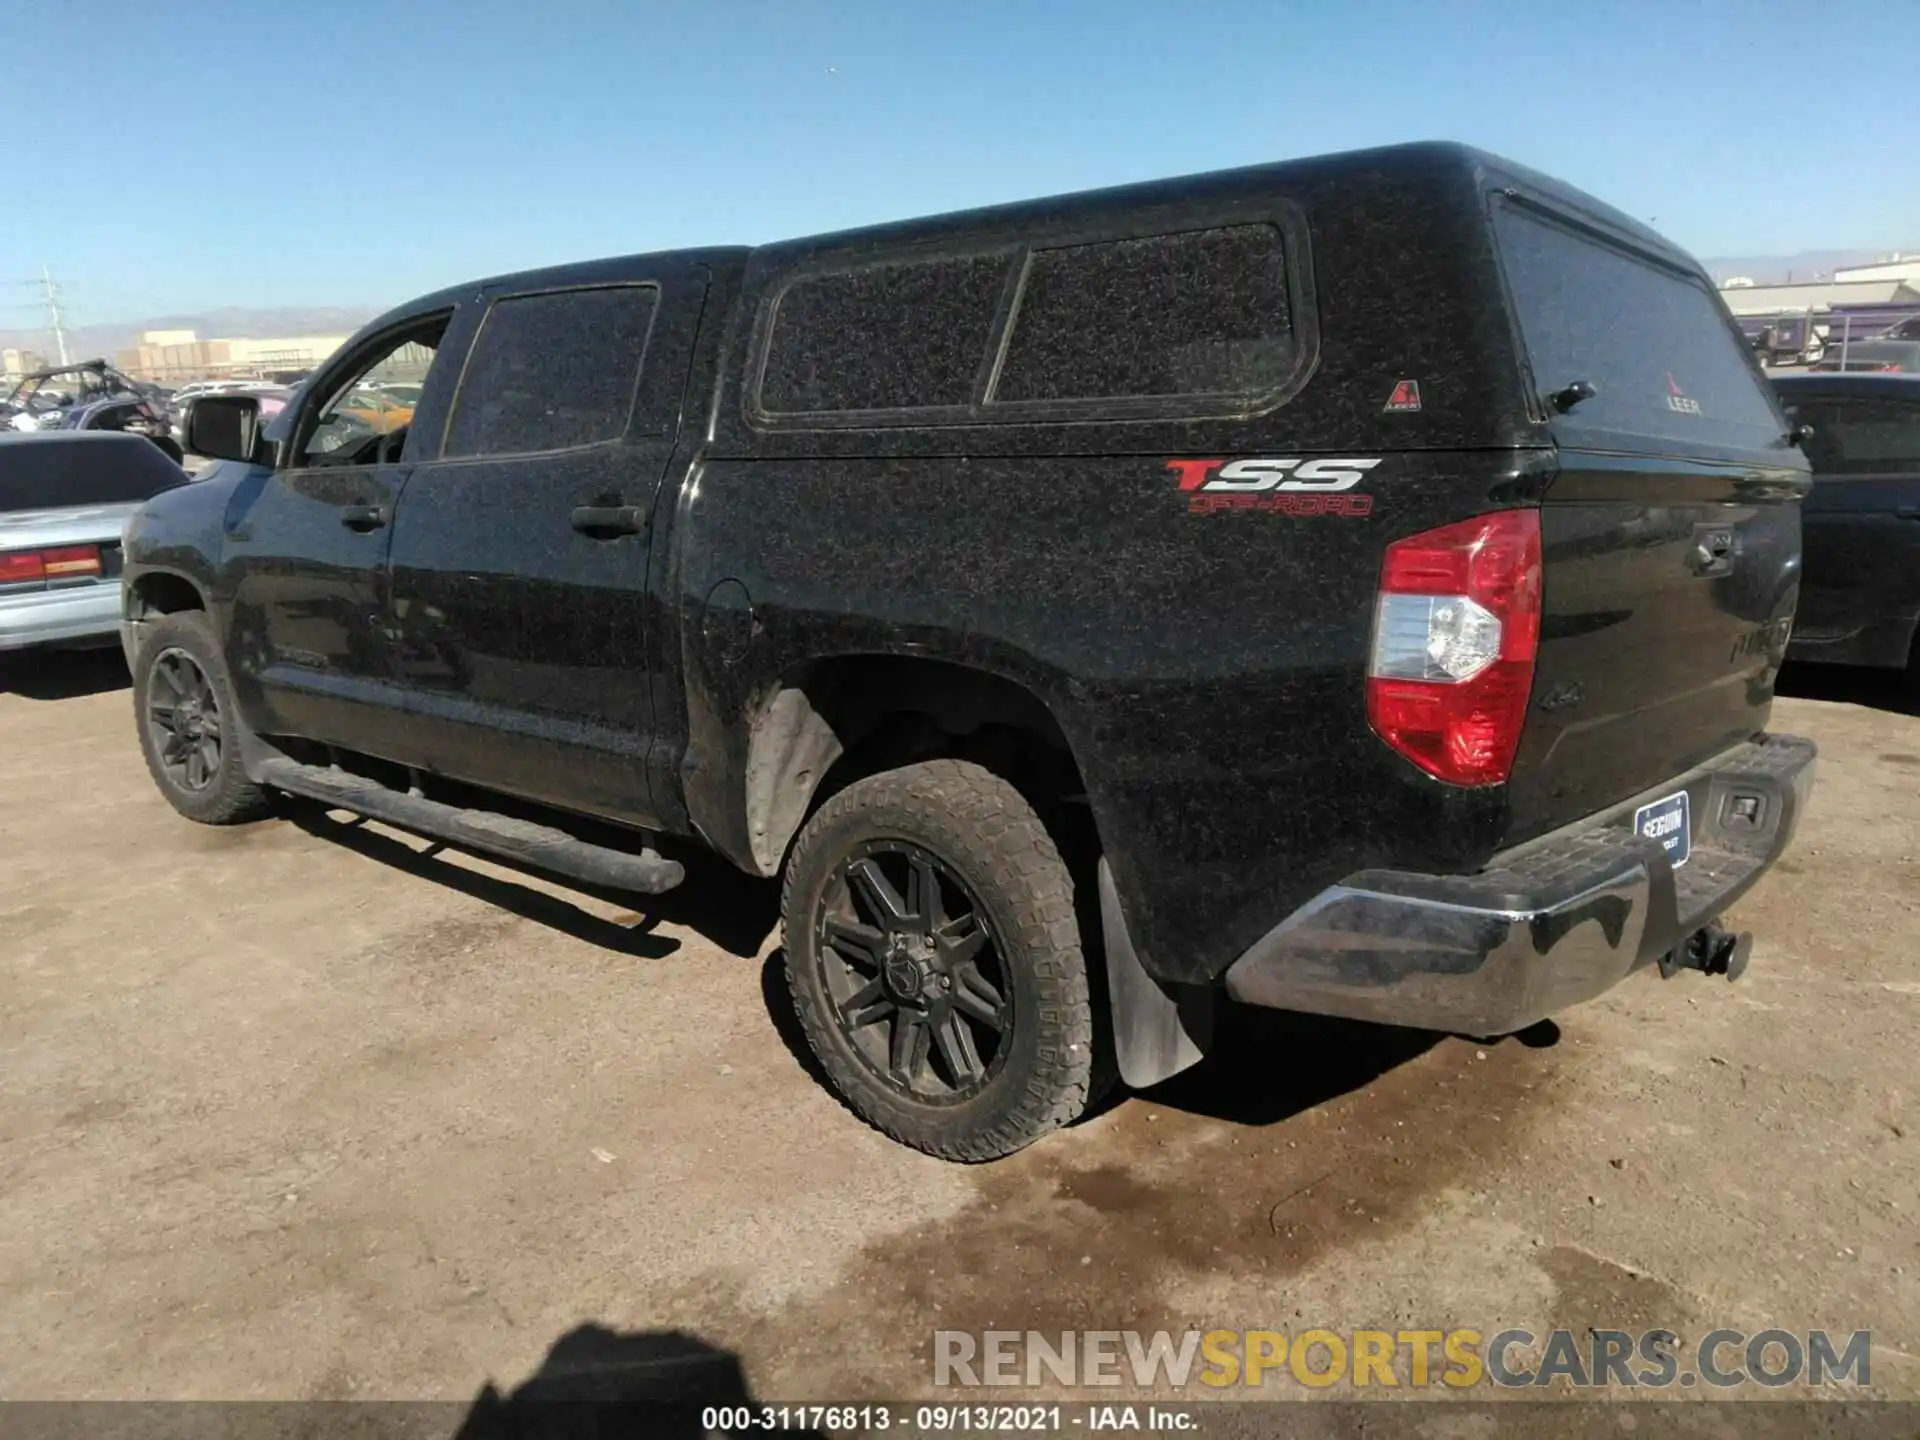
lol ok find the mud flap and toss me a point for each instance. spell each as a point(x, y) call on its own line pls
point(1158, 1029)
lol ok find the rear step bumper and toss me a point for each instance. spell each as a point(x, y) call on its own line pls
point(1547, 924)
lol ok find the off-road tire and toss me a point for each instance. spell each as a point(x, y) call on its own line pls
point(228, 798)
point(986, 833)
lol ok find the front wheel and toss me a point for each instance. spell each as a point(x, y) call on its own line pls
point(189, 728)
point(935, 961)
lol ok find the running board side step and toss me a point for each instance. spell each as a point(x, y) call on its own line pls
point(540, 846)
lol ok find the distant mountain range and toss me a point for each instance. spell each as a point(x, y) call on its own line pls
point(231, 322)
point(1789, 269)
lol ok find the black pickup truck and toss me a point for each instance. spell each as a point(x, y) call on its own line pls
point(1860, 595)
point(1353, 585)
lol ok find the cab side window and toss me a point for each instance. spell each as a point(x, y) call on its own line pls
point(552, 371)
point(358, 423)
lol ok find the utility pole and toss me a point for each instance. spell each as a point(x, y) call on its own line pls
point(53, 311)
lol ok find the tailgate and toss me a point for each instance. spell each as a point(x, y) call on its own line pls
point(1670, 536)
point(1667, 594)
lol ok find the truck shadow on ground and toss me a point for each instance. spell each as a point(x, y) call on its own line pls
point(1266, 1066)
point(1895, 691)
point(1241, 1080)
point(733, 911)
point(64, 674)
point(600, 1382)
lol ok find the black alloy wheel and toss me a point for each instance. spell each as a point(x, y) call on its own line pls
point(933, 955)
point(183, 718)
point(917, 982)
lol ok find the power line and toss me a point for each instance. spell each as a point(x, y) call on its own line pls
point(53, 312)
point(50, 301)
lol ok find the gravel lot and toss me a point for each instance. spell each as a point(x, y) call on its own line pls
point(306, 1109)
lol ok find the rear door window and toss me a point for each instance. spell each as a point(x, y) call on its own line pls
point(1860, 436)
point(1653, 342)
point(552, 371)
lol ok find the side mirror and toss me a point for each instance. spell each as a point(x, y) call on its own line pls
point(224, 427)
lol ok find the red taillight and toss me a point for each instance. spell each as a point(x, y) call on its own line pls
point(1455, 632)
point(71, 562)
point(19, 565)
point(64, 562)
point(1892, 368)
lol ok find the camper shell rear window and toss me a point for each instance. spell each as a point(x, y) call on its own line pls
point(1653, 342)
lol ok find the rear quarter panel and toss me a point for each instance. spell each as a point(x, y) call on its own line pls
point(1207, 669)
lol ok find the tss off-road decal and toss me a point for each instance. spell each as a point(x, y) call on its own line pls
point(1286, 485)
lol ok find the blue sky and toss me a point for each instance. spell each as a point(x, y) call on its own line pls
point(279, 152)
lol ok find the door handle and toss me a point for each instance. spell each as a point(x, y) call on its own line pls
point(364, 517)
point(1907, 512)
point(605, 522)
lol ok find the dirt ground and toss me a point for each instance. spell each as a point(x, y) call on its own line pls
point(303, 1110)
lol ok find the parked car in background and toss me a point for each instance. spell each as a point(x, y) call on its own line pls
point(92, 395)
point(42, 399)
point(379, 410)
point(128, 413)
point(401, 392)
point(1860, 526)
point(64, 498)
point(1886, 357)
point(1782, 339)
point(1355, 586)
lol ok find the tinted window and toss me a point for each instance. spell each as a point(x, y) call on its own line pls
point(1861, 437)
point(1199, 313)
point(1651, 341)
point(885, 337)
point(549, 372)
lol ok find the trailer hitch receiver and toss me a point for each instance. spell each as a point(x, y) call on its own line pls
point(1712, 950)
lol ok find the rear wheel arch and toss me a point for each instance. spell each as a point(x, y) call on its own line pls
point(832, 722)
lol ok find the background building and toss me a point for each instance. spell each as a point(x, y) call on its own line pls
point(1823, 296)
point(15, 363)
point(174, 356)
point(1907, 269)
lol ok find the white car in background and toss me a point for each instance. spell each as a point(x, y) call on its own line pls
point(65, 496)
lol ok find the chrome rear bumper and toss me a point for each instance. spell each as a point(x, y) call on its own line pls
point(1546, 925)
